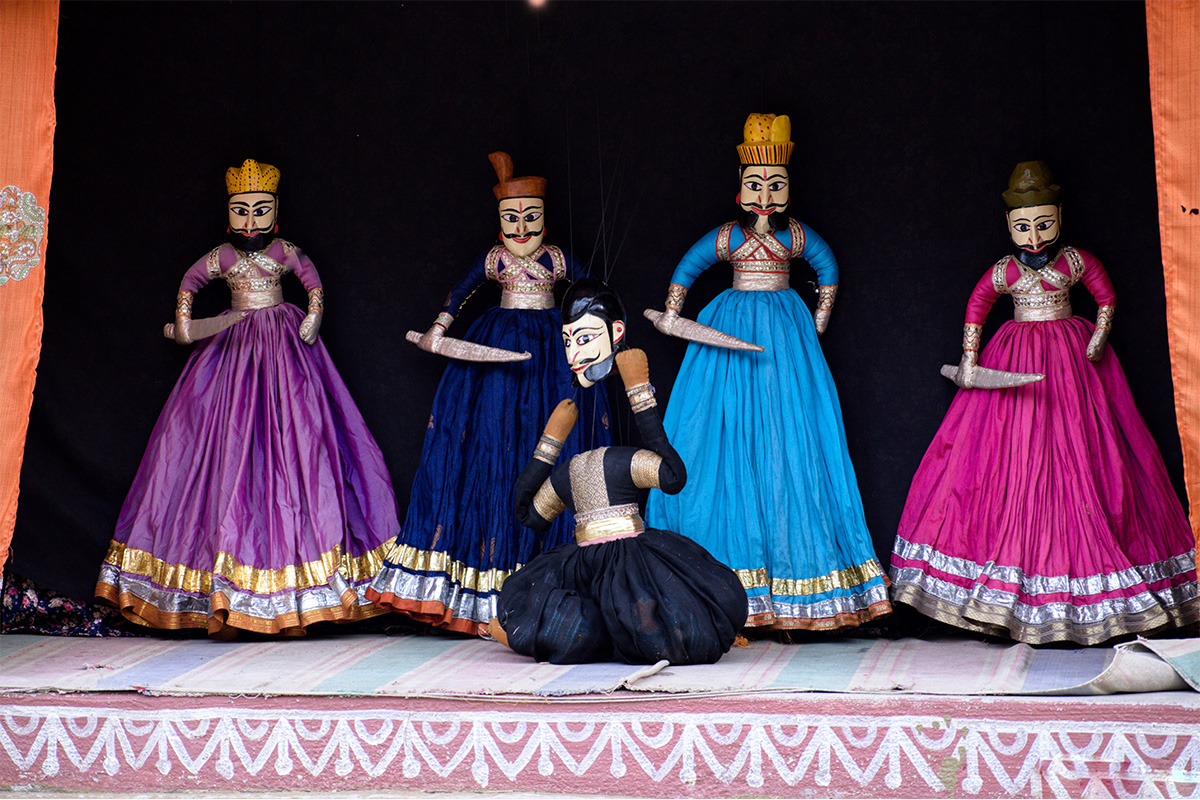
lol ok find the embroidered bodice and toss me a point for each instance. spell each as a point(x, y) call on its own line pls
point(526, 282)
point(761, 262)
point(253, 278)
point(1040, 295)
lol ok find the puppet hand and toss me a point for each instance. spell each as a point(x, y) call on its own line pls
point(821, 319)
point(635, 373)
point(310, 326)
point(562, 420)
point(825, 297)
point(431, 338)
point(666, 321)
point(633, 367)
point(966, 370)
point(1095, 348)
point(183, 330)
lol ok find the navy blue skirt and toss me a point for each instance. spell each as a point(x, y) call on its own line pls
point(460, 538)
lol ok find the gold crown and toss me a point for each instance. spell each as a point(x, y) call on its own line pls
point(252, 177)
point(768, 140)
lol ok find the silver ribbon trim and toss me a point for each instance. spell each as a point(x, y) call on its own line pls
point(748, 281)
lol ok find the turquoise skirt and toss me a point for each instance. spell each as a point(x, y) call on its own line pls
point(771, 491)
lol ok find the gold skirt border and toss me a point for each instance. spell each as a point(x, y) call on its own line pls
point(178, 579)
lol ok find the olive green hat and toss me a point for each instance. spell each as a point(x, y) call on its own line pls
point(1031, 184)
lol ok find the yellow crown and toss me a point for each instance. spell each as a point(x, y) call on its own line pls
point(768, 140)
point(252, 177)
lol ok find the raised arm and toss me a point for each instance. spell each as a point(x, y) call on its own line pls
point(535, 500)
point(657, 465)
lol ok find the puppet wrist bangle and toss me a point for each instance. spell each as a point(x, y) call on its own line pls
point(641, 397)
point(675, 295)
point(443, 320)
point(183, 304)
point(316, 301)
point(547, 449)
point(825, 296)
point(971, 336)
point(1104, 318)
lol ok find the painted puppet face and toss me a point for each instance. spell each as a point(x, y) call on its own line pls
point(765, 190)
point(252, 212)
point(1035, 228)
point(588, 342)
point(522, 224)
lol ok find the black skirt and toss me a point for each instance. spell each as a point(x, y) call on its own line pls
point(640, 600)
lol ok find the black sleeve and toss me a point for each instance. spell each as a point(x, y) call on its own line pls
point(531, 479)
point(672, 474)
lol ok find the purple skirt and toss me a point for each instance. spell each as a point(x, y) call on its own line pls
point(1044, 512)
point(262, 501)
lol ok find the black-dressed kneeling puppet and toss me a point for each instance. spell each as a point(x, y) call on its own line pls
point(619, 592)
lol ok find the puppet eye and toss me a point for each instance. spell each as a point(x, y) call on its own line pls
point(509, 217)
point(533, 216)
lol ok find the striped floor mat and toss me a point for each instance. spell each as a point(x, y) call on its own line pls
point(431, 666)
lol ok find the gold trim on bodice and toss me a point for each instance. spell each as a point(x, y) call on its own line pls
point(524, 282)
point(760, 281)
point(250, 287)
point(527, 302)
point(252, 300)
point(761, 263)
point(595, 518)
point(1032, 301)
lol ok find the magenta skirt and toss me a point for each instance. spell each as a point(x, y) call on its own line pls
point(1044, 513)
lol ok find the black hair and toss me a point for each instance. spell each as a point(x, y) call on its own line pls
point(592, 296)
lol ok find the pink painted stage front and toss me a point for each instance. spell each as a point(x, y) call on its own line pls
point(811, 745)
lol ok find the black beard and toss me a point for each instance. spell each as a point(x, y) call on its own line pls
point(250, 244)
point(776, 222)
point(1037, 260)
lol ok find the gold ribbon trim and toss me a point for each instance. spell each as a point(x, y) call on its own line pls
point(257, 580)
point(840, 579)
point(606, 528)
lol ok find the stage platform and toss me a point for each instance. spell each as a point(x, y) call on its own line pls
point(845, 718)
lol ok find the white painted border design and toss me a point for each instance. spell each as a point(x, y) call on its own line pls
point(652, 753)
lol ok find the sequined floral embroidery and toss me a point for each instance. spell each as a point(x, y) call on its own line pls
point(22, 228)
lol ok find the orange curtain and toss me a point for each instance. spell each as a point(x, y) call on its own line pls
point(1173, 35)
point(28, 40)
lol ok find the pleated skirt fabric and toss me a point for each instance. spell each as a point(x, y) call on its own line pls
point(262, 501)
point(1044, 512)
point(640, 600)
point(771, 491)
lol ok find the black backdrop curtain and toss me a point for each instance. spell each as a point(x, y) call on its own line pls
point(908, 118)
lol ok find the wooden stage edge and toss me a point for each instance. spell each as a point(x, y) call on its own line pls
point(752, 745)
